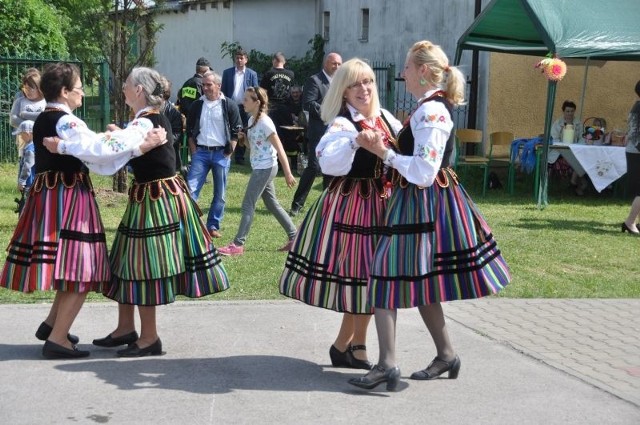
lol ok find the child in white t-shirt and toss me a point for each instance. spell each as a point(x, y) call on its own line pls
point(266, 149)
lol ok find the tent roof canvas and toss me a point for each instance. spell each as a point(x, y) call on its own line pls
point(567, 28)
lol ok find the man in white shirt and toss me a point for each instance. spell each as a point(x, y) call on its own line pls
point(212, 129)
point(235, 81)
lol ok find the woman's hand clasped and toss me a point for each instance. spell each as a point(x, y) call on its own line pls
point(153, 139)
point(51, 143)
point(371, 141)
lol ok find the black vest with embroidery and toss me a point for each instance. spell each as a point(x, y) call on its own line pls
point(45, 126)
point(160, 162)
point(365, 164)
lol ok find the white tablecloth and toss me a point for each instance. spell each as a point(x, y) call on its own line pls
point(603, 164)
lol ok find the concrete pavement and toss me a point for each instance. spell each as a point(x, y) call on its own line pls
point(523, 361)
point(597, 341)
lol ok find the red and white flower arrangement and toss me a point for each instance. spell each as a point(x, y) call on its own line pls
point(552, 68)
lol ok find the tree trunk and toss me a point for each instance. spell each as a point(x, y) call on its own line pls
point(120, 181)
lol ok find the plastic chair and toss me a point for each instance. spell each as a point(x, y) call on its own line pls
point(500, 155)
point(470, 137)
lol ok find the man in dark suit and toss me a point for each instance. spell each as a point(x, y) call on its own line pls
point(315, 88)
point(235, 81)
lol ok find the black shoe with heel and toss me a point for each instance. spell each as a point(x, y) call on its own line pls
point(626, 228)
point(44, 331)
point(340, 358)
point(346, 359)
point(391, 376)
point(436, 368)
point(110, 341)
point(357, 363)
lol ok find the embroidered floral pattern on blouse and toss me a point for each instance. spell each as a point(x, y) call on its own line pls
point(429, 153)
point(112, 142)
point(69, 125)
point(339, 126)
point(434, 118)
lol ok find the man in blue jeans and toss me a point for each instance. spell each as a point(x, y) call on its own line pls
point(212, 129)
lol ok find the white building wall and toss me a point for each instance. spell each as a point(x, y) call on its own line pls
point(266, 26)
point(189, 35)
point(270, 26)
point(287, 25)
point(394, 25)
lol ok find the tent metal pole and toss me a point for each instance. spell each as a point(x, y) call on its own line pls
point(584, 87)
point(543, 200)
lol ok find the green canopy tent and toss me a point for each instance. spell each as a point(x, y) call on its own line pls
point(587, 29)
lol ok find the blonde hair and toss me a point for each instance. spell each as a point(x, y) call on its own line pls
point(260, 95)
point(442, 75)
point(347, 74)
point(31, 78)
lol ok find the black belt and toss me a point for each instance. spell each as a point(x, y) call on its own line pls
point(210, 148)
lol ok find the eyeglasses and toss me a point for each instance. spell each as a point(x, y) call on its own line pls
point(78, 88)
point(367, 82)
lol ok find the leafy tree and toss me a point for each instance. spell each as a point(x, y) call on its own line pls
point(31, 27)
point(122, 32)
point(127, 39)
point(81, 16)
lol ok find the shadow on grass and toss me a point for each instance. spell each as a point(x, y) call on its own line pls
point(594, 227)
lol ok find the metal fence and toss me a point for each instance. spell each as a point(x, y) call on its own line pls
point(396, 99)
point(95, 110)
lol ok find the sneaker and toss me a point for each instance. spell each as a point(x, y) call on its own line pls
point(231, 249)
point(294, 212)
point(215, 233)
point(286, 247)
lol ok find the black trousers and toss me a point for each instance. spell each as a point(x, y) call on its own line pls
point(241, 150)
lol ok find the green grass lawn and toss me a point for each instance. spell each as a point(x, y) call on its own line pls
point(571, 249)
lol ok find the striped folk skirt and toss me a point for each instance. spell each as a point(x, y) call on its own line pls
point(330, 261)
point(59, 241)
point(438, 247)
point(162, 248)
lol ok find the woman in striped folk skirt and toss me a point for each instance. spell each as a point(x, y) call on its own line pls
point(59, 242)
point(162, 247)
point(437, 247)
point(330, 261)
